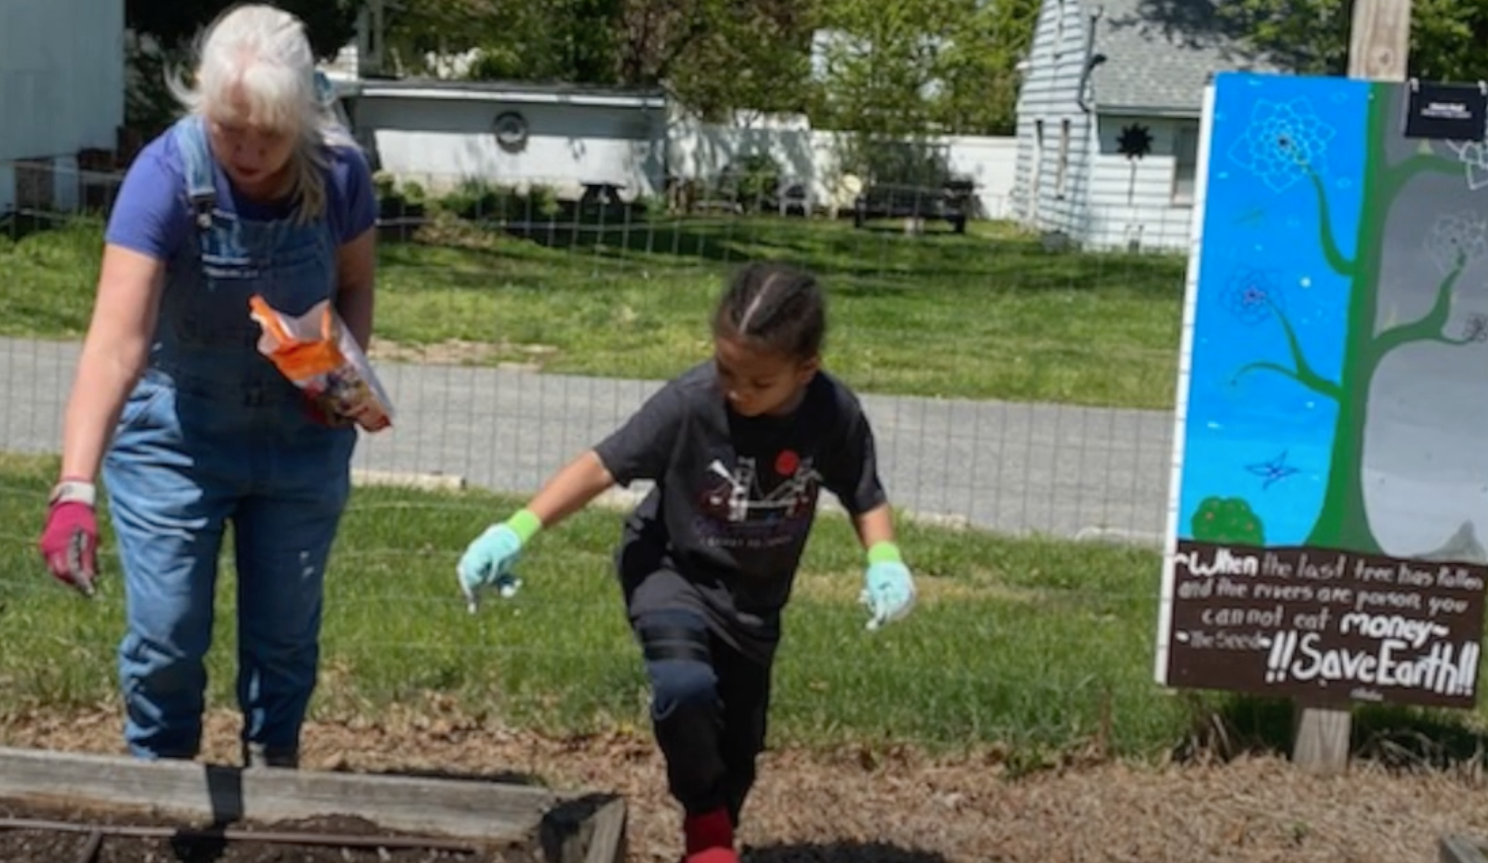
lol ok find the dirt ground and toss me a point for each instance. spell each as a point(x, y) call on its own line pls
point(197, 844)
point(902, 807)
point(455, 352)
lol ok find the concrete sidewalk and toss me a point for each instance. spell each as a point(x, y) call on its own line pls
point(1017, 468)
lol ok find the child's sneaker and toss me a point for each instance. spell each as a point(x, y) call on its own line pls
point(709, 838)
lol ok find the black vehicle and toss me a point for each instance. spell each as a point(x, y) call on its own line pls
point(949, 202)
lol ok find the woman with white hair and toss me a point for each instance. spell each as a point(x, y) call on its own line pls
point(257, 189)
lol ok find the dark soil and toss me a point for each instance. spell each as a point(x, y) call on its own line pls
point(194, 841)
point(853, 805)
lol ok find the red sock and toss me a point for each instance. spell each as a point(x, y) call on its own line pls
point(709, 837)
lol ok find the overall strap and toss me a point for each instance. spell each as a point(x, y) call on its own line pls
point(196, 164)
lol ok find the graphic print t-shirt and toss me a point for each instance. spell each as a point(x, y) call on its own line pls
point(736, 496)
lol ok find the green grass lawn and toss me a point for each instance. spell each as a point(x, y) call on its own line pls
point(988, 315)
point(1023, 643)
point(1041, 649)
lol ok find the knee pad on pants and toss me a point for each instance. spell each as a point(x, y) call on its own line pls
point(682, 688)
point(679, 663)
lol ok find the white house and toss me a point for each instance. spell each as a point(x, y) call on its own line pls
point(61, 95)
point(1108, 118)
point(440, 133)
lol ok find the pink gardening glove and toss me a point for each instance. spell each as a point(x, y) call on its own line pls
point(69, 544)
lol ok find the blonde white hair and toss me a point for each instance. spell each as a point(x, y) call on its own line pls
point(261, 54)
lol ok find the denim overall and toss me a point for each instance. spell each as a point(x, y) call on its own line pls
point(214, 433)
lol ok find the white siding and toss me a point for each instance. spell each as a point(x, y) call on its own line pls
point(442, 142)
point(1049, 97)
point(698, 150)
point(991, 163)
point(61, 76)
point(1132, 202)
point(61, 91)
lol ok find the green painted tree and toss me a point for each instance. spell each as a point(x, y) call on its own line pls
point(1343, 521)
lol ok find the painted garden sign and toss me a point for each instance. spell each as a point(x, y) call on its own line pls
point(1330, 489)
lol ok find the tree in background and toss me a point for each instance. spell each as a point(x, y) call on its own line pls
point(175, 23)
point(164, 31)
point(1312, 36)
point(908, 65)
point(713, 55)
point(892, 77)
point(978, 65)
point(421, 37)
point(567, 41)
point(727, 56)
point(904, 68)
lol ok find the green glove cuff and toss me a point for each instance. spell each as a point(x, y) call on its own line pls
point(884, 552)
point(524, 524)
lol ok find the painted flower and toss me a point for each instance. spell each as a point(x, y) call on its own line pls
point(1282, 141)
point(1476, 328)
point(1455, 235)
point(1252, 295)
point(1474, 157)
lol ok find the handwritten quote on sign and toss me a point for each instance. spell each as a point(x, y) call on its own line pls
point(1328, 624)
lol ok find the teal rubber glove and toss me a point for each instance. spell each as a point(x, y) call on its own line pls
point(488, 561)
point(888, 588)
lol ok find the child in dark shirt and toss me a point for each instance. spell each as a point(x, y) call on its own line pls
point(738, 448)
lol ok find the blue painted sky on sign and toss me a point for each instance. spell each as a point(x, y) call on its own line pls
point(1261, 435)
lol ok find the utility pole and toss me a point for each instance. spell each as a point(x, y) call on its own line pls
point(1379, 41)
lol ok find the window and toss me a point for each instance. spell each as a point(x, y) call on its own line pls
point(1036, 168)
point(1185, 162)
point(1062, 171)
point(1058, 28)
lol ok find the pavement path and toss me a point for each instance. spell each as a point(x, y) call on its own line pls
point(1012, 467)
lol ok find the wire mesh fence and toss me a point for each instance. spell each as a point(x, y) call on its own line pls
point(1015, 385)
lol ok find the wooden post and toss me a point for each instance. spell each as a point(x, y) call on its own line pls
point(1379, 41)
point(1320, 737)
point(1379, 47)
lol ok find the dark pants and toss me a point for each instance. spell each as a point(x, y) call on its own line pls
point(708, 708)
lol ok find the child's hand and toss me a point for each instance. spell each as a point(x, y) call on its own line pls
point(888, 591)
point(487, 564)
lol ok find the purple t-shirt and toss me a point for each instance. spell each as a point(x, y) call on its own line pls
point(151, 214)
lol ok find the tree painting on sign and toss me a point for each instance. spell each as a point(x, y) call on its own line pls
point(1331, 496)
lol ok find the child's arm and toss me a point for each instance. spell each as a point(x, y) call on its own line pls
point(851, 473)
point(488, 560)
point(570, 489)
point(638, 449)
point(875, 526)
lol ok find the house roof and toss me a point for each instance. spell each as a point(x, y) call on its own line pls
point(505, 91)
point(1160, 54)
